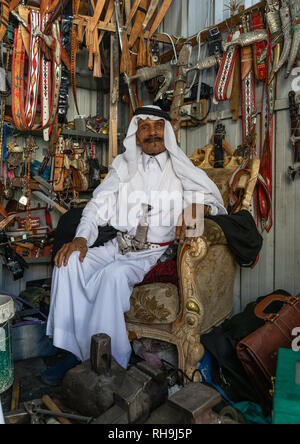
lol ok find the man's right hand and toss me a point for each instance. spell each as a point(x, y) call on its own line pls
point(63, 255)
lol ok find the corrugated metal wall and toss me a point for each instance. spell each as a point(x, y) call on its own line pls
point(279, 264)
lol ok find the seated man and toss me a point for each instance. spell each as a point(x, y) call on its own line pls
point(143, 197)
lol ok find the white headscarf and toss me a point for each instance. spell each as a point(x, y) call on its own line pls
point(191, 177)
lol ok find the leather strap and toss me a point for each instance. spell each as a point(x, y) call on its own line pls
point(18, 65)
point(43, 7)
point(97, 58)
point(138, 24)
point(151, 10)
point(236, 89)
point(134, 8)
point(159, 18)
point(24, 13)
point(261, 307)
point(92, 33)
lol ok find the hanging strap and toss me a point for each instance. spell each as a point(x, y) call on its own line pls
point(257, 22)
point(224, 82)
point(134, 8)
point(159, 18)
point(138, 24)
point(97, 60)
point(92, 32)
point(45, 88)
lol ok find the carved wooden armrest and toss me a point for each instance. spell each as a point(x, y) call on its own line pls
point(212, 235)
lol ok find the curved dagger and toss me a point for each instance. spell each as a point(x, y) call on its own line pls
point(287, 32)
point(248, 39)
point(295, 12)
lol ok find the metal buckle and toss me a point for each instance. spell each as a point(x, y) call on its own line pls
point(272, 317)
point(214, 31)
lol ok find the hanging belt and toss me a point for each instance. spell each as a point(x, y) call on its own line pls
point(224, 82)
point(45, 87)
point(257, 22)
point(21, 110)
point(97, 58)
point(92, 31)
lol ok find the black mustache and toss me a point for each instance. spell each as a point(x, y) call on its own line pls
point(153, 139)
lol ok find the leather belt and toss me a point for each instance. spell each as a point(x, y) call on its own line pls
point(24, 113)
point(148, 246)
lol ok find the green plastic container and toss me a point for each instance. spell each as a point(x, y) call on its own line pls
point(286, 405)
point(6, 358)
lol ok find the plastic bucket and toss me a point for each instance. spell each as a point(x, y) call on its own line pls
point(7, 312)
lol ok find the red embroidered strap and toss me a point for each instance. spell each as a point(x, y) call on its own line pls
point(258, 48)
point(33, 70)
point(248, 103)
point(163, 245)
point(223, 86)
point(45, 88)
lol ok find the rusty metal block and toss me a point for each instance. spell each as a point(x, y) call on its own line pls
point(115, 415)
point(89, 393)
point(140, 394)
point(196, 401)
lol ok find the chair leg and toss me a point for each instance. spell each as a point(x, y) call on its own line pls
point(190, 353)
point(194, 355)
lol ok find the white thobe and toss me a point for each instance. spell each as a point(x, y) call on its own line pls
point(1, 414)
point(91, 297)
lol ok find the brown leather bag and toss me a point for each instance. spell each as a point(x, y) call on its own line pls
point(258, 351)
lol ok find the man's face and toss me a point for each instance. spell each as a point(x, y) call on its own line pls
point(150, 136)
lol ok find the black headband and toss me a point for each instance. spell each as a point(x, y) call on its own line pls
point(152, 112)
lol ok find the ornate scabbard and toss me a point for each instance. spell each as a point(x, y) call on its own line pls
point(248, 39)
point(287, 33)
point(203, 64)
point(274, 24)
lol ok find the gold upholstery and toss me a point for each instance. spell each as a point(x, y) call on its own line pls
point(206, 271)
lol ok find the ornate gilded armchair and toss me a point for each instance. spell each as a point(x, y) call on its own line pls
point(206, 271)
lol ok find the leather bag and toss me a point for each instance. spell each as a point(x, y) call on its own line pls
point(258, 352)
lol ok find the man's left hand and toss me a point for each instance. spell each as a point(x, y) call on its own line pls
point(190, 223)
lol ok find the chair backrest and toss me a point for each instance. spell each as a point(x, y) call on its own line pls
point(204, 158)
